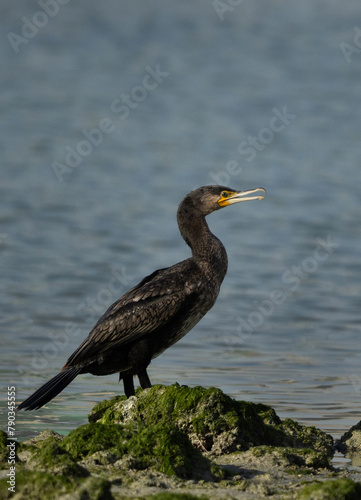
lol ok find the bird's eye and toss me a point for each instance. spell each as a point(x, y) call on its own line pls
point(224, 194)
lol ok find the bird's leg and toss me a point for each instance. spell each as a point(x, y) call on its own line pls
point(144, 379)
point(128, 385)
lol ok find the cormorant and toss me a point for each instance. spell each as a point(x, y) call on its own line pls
point(159, 311)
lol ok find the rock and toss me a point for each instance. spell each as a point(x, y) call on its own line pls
point(5, 450)
point(3, 439)
point(350, 444)
point(215, 423)
point(161, 447)
point(304, 457)
point(53, 459)
point(47, 434)
point(34, 485)
point(170, 443)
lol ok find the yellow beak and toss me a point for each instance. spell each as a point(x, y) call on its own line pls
point(239, 196)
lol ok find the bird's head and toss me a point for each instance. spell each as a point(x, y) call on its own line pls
point(207, 199)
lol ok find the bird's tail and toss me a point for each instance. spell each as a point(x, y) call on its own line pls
point(49, 390)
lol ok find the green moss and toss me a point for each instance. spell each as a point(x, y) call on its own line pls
point(350, 444)
point(213, 421)
point(3, 439)
point(161, 447)
point(301, 457)
point(268, 415)
point(46, 436)
point(107, 411)
point(163, 429)
point(171, 452)
point(308, 437)
point(339, 489)
point(44, 486)
point(299, 471)
point(207, 413)
point(54, 459)
point(4, 453)
point(175, 496)
point(35, 485)
point(93, 488)
point(4, 450)
point(90, 438)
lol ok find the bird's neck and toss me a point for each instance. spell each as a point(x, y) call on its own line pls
point(207, 250)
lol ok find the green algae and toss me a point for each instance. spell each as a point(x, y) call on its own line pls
point(338, 489)
point(175, 496)
point(206, 415)
point(350, 444)
point(91, 438)
point(4, 449)
point(4, 453)
point(34, 485)
point(351, 440)
point(308, 437)
point(93, 488)
point(170, 431)
point(45, 470)
point(161, 447)
point(46, 436)
point(109, 411)
point(3, 439)
point(300, 457)
point(52, 458)
point(214, 422)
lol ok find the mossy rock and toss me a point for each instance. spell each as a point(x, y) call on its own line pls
point(307, 436)
point(44, 486)
point(350, 444)
point(47, 435)
point(54, 459)
point(214, 422)
point(4, 453)
point(161, 447)
point(4, 450)
point(338, 489)
point(300, 457)
point(167, 430)
point(3, 439)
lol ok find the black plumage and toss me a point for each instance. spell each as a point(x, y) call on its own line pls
point(160, 310)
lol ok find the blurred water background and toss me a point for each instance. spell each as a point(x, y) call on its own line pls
point(254, 93)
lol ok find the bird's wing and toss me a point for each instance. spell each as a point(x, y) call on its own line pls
point(152, 304)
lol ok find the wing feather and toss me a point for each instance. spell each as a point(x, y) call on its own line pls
point(152, 304)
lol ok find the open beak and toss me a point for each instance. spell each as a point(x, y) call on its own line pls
point(241, 196)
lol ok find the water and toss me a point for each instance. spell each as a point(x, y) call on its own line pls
point(285, 329)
